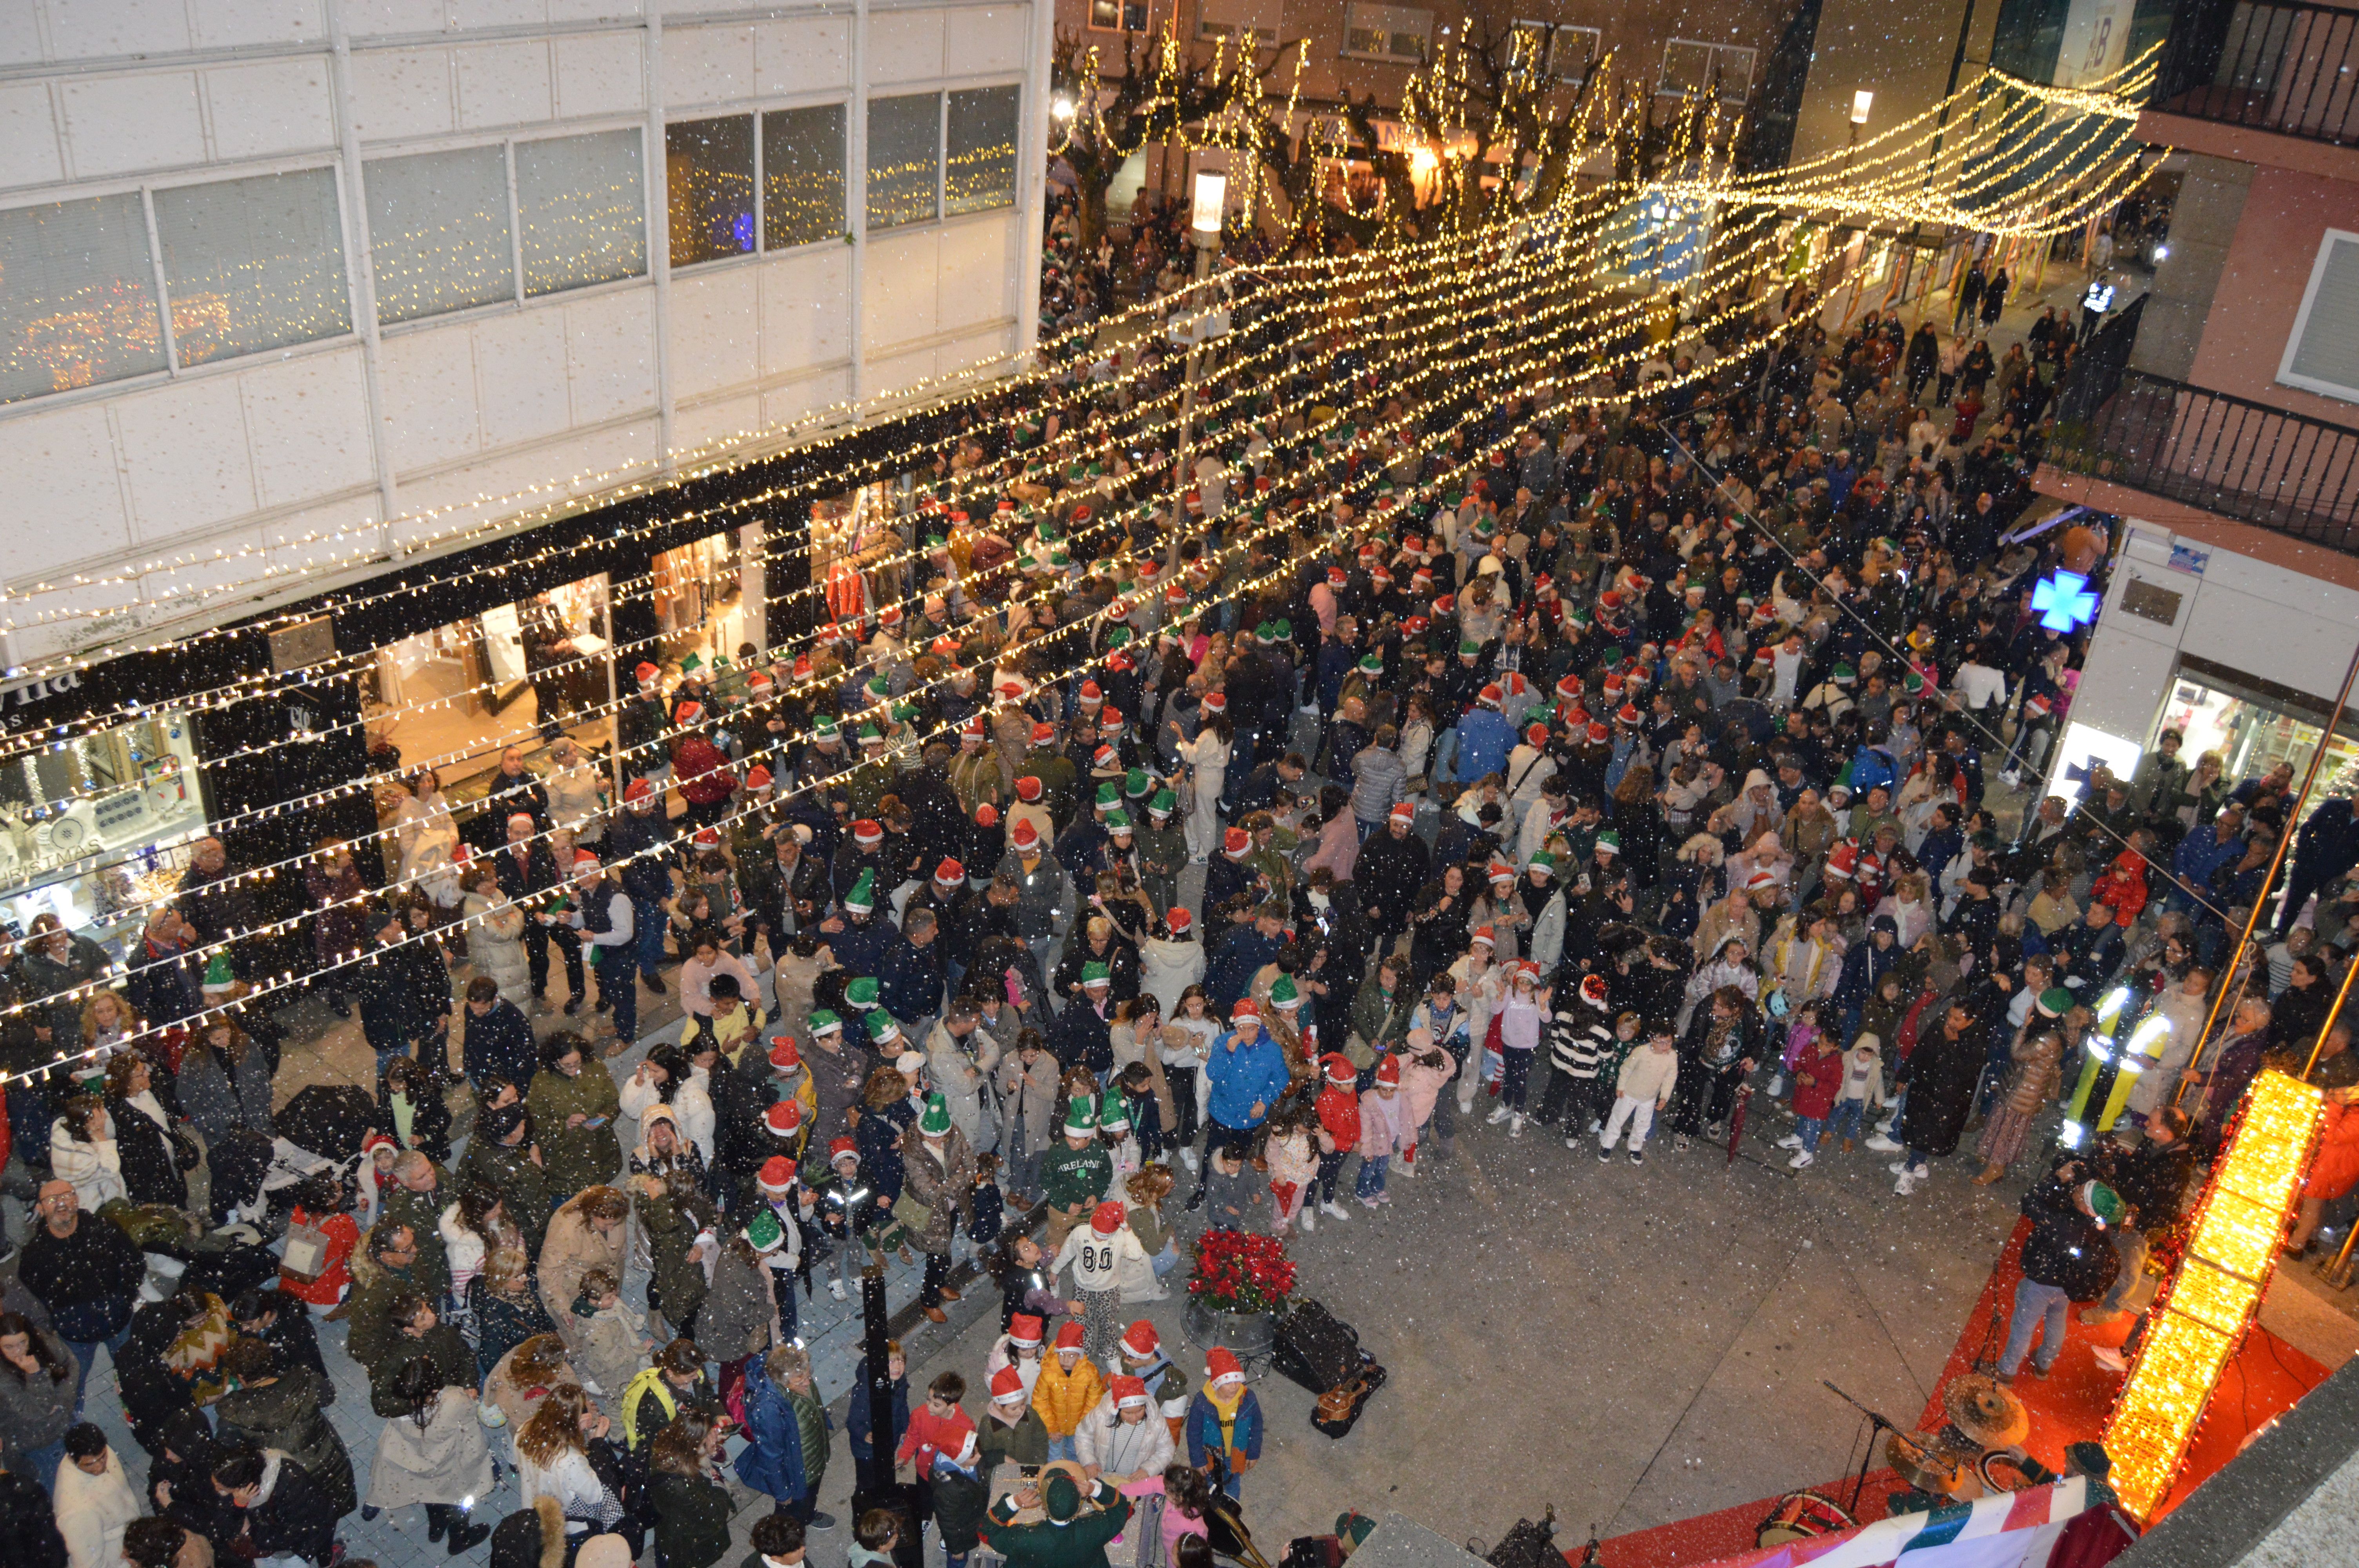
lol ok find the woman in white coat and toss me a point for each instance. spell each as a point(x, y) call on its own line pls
point(83, 1150)
point(1207, 757)
point(496, 947)
point(429, 836)
point(577, 792)
point(434, 1454)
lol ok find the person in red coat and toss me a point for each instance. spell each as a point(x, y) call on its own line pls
point(706, 780)
point(2336, 1171)
point(1339, 1127)
point(1818, 1079)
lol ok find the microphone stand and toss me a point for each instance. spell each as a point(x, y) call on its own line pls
point(1877, 1422)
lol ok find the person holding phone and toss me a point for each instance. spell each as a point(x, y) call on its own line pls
point(574, 1103)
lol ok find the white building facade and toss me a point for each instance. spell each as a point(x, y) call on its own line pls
point(290, 289)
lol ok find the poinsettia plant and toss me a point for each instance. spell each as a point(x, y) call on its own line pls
point(1236, 1273)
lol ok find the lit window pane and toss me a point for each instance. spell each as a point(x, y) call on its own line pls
point(252, 264)
point(709, 172)
point(438, 233)
point(905, 157)
point(980, 170)
point(77, 296)
point(580, 209)
point(803, 176)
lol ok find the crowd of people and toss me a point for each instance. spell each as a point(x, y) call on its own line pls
point(1606, 759)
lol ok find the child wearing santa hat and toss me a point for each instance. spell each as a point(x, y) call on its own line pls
point(1011, 1432)
point(1225, 1420)
point(1383, 1132)
point(1067, 1387)
point(1096, 1253)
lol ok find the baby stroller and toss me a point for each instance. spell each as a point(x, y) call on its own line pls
point(1224, 1526)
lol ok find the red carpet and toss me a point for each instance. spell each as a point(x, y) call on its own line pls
point(2266, 1378)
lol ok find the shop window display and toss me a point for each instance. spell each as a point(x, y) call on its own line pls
point(455, 699)
point(2253, 736)
point(857, 539)
point(700, 600)
point(90, 830)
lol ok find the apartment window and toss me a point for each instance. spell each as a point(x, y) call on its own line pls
point(1572, 53)
point(1387, 32)
point(1118, 16)
point(2322, 355)
point(581, 213)
point(979, 171)
point(77, 296)
point(803, 176)
point(444, 234)
point(251, 264)
point(1528, 48)
point(1238, 20)
point(905, 159)
point(1695, 69)
point(439, 233)
point(709, 173)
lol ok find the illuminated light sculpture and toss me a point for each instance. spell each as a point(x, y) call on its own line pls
point(2063, 602)
point(2199, 1321)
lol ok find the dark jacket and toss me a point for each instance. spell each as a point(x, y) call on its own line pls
point(856, 1424)
point(287, 1413)
point(149, 1169)
point(691, 1520)
point(510, 1172)
point(89, 1280)
point(499, 1046)
point(297, 1520)
point(29, 1525)
point(2066, 1249)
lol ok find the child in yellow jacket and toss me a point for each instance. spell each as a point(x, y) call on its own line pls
point(1069, 1387)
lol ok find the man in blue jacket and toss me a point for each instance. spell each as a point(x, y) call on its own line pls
point(1247, 1073)
point(2326, 847)
point(1485, 736)
point(1241, 954)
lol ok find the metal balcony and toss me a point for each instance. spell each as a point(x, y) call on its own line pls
point(2290, 68)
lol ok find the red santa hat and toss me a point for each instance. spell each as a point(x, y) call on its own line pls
point(1129, 1392)
point(868, 831)
point(777, 1174)
point(1235, 843)
point(1106, 1219)
point(1069, 1335)
point(1388, 1072)
point(1139, 1341)
point(1339, 1068)
point(1007, 1384)
point(1024, 1330)
point(949, 873)
point(1221, 1365)
point(1024, 836)
point(784, 1119)
point(1028, 788)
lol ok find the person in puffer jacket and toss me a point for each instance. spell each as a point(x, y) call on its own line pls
point(1385, 1130)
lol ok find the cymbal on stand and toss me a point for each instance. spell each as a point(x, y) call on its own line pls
point(1918, 1459)
point(1986, 1410)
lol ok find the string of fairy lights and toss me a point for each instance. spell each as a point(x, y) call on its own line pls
point(1444, 84)
point(1411, 350)
point(1517, 372)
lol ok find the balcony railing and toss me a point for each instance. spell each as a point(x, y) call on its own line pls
point(2227, 455)
point(2291, 69)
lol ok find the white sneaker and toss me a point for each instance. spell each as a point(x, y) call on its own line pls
point(1498, 1114)
point(1466, 1103)
point(1596, 1125)
point(1406, 1168)
point(1904, 1186)
point(1883, 1145)
point(1801, 1160)
point(1791, 1141)
point(1308, 1224)
point(835, 1289)
point(1515, 1127)
point(1188, 1158)
point(1777, 1083)
point(1333, 1210)
point(1898, 1167)
point(1884, 1128)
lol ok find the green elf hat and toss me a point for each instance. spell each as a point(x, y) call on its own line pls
point(1543, 861)
point(827, 730)
point(2054, 1002)
point(219, 976)
point(1096, 974)
point(1059, 561)
point(1136, 784)
point(1467, 648)
point(1284, 994)
point(1285, 631)
point(871, 736)
point(863, 993)
point(1609, 842)
point(1266, 631)
point(822, 1021)
point(690, 665)
point(1913, 684)
point(936, 1121)
point(936, 542)
point(1119, 637)
point(1581, 617)
point(1081, 1117)
point(883, 1029)
point(863, 896)
point(765, 1233)
point(1117, 822)
point(1114, 1115)
point(1372, 664)
point(1050, 533)
point(1109, 796)
point(1164, 803)
point(1845, 675)
point(904, 713)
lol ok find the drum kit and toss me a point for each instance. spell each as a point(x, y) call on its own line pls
point(1976, 1449)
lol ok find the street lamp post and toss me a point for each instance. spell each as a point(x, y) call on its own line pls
point(1861, 103)
point(1211, 202)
